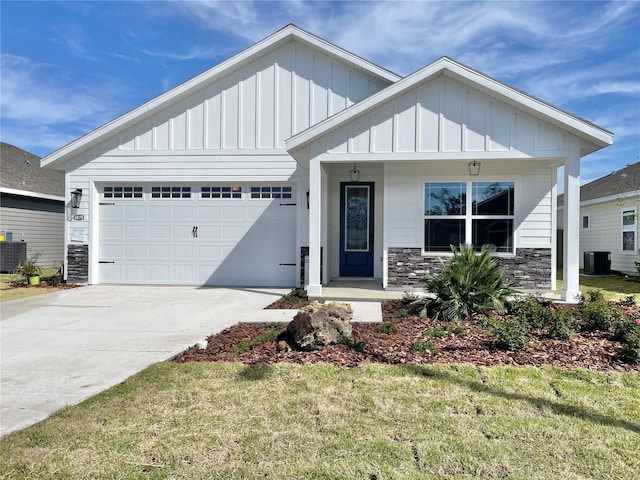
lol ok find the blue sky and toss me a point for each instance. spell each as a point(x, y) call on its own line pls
point(69, 67)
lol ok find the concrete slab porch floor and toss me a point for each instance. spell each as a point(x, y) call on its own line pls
point(356, 290)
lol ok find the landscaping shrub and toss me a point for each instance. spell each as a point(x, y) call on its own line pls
point(435, 332)
point(425, 346)
point(600, 315)
point(357, 346)
point(631, 351)
point(511, 334)
point(402, 313)
point(469, 283)
point(534, 311)
point(561, 324)
point(625, 326)
point(386, 327)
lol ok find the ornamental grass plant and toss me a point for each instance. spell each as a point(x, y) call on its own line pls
point(469, 283)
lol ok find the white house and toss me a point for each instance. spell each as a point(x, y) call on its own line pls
point(295, 148)
point(609, 209)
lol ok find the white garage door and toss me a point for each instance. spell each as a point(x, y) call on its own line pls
point(235, 235)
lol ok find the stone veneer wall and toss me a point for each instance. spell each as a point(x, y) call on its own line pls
point(78, 263)
point(530, 268)
point(304, 251)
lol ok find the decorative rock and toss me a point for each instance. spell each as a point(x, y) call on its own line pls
point(317, 325)
point(283, 346)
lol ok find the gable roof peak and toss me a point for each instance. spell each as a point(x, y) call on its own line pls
point(244, 57)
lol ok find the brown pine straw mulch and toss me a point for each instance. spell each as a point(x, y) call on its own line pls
point(593, 350)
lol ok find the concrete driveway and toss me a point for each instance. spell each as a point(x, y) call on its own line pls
point(61, 348)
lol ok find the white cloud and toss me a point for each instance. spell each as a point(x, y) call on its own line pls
point(38, 96)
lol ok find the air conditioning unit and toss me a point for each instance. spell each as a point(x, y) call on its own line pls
point(597, 263)
point(11, 253)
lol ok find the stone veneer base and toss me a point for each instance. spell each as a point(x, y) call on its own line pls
point(530, 268)
point(78, 263)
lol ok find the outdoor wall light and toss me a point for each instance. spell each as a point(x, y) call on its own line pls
point(354, 174)
point(76, 197)
point(474, 168)
point(307, 199)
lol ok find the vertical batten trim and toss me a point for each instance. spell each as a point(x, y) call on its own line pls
point(239, 119)
point(441, 88)
point(464, 137)
point(205, 124)
point(257, 143)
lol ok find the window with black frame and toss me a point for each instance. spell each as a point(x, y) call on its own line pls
point(451, 219)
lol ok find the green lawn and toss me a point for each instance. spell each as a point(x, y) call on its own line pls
point(229, 421)
point(614, 287)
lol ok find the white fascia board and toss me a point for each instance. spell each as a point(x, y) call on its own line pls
point(609, 198)
point(282, 36)
point(600, 137)
point(24, 193)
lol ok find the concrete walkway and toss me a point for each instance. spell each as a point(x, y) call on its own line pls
point(61, 348)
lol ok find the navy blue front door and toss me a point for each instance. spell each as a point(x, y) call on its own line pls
point(356, 229)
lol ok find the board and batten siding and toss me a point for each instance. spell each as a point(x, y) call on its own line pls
point(445, 115)
point(232, 129)
point(533, 216)
point(256, 107)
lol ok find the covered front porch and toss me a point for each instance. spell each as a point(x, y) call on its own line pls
point(421, 135)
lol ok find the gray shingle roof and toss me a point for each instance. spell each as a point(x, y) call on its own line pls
point(20, 170)
point(621, 181)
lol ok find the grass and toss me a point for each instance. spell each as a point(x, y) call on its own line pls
point(613, 287)
point(230, 421)
point(8, 292)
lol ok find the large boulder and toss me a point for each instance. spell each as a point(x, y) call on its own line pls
point(318, 325)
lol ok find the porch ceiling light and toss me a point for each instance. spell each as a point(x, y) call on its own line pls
point(76, 198)
point(354, 174)
point(474, 168)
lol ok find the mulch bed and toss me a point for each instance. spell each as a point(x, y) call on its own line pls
point(591, 350)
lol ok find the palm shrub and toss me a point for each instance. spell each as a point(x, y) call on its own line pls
point(469, 283)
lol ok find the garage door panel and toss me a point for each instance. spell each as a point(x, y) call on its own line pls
point(211, 253)
point(159, 252)
point(183, 212)
point(159, 232)
point(209, 212)
point(160, 271)
point(183, 252)
point(239, 242)
point(234, 213)
point(137, 212)
point(134, 272)
point(135, 252)
point(135, 232)
point(181, 273)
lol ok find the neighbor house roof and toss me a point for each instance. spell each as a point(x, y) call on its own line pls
point(20, 174)
point(595, 135)
point(610, 187)
point(289, 33)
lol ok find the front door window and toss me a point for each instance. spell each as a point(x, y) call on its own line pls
point(357, 219)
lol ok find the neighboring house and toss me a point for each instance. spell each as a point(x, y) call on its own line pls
point(609, 208)
point(296, 149)
point(31, 204)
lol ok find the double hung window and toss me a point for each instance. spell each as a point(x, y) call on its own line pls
point(629, 230)
point(477, 213)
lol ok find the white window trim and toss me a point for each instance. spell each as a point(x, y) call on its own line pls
point(588, 227)
point(469, 217)
point(629, 228)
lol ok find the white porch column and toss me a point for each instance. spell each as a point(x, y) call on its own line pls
point(571, 225)
point(314, 289)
